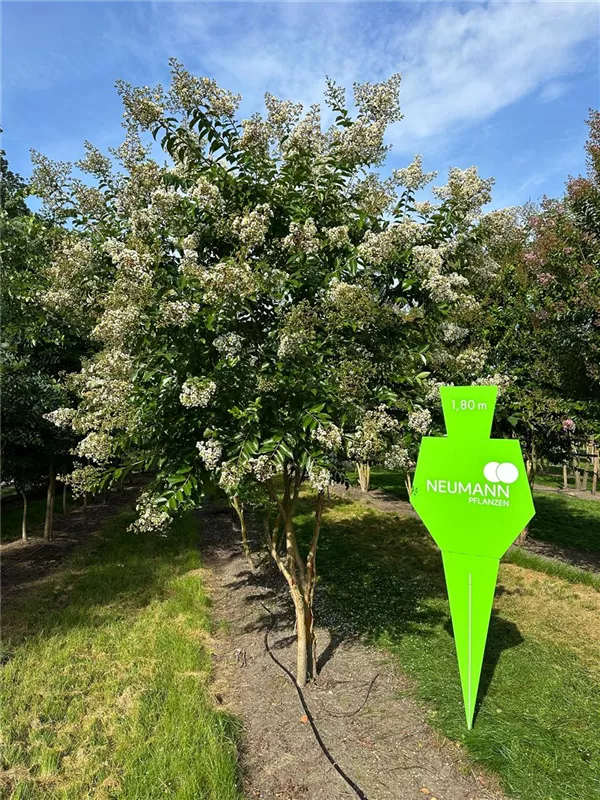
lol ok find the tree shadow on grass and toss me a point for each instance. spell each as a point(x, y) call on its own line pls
point(566, 521)
point(502, 635)
point(114, 573)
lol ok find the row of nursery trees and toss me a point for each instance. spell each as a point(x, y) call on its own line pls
point(264, 307)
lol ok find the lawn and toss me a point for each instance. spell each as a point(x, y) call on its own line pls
point(559, 519)
point(539, 701)
point(105, 678)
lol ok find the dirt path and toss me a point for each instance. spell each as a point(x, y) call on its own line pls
point(361, 704)
point(580, 495)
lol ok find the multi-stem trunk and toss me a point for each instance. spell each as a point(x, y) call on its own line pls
point(300, 574)
point(238, 507)
point(48, 522)
point(364, 476)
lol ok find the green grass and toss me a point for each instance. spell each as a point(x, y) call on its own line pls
point(566, 521)
point(105, 678)
point(12, 514)
point(559, 519)
point(552, 566)
point(537, 723)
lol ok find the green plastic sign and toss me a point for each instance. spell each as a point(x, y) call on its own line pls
point(473, 496)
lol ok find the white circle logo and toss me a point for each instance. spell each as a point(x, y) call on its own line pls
point(495, 472)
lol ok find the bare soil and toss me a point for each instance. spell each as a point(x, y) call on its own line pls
point(361, 703)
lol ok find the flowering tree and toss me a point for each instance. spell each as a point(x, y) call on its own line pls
point(257, 303)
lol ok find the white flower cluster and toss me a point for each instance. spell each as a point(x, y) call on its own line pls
point(377, 248)
point(143, 105)
point(362, 142)
point(282, 115)
point(319, 477)
point(223, 283)
point(153, 517)
point(328, 436)
point(62, 417)
point(165, 202)
point(96, 447)
point(210, 452)
point(432, 394)
point(178, 313)
point(82, 479)
point(426, 259)
point(420, 421)
point(290, 342)
point(502, 225)
point(368, 444)
point(466, 188)
point(207, 196)
point(425, 207)
point(379, 102)
point(472, 360)
point(187, 92)
point(302, 237)
point(117, 323)
point(232, 474)
point(413, 177)
point(251, 228)
point(133, 266)
point(94, 163)
point(443, 288)
point(307, 136)
point(264, 468)
point(338, 236)
point(297, 330)
point(398, 459)
point(228, 344)
point(373, 197)
point(197, 392)
point(453, 333)
point(256, 136)
point(503, 382)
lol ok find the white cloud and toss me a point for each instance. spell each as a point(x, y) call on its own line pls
point(460, 63)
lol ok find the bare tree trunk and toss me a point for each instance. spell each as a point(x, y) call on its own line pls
point(64, 498)
point(576, 470)
point(24, 520)
point(596, 469)
point(49, 520)
point(364, 476)
point(565, 476)
point(584, 481)
point(408, 483)
point(239, 509)
point(85, 510)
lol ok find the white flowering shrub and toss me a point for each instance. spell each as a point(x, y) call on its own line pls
point(262, 304)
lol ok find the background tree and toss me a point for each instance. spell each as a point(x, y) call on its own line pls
point(36, 347)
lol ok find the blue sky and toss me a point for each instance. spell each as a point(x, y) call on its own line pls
point(503, 85)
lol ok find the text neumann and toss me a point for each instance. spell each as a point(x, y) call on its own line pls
point(488, 494)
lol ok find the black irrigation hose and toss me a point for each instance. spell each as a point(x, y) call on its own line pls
point(356, 789)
